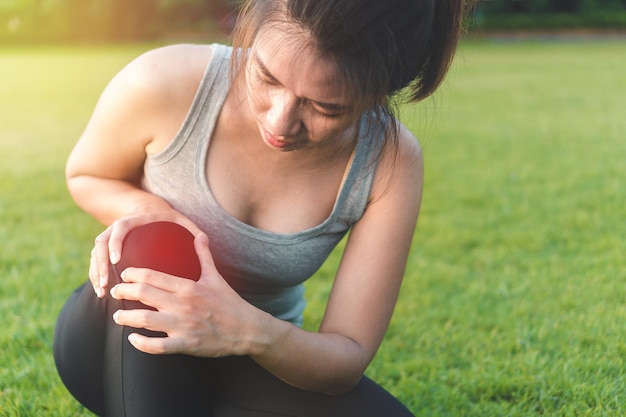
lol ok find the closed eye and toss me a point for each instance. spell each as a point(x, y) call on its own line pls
point(264, 74)
point(329, 110)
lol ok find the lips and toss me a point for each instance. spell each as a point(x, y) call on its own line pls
point(275, 141)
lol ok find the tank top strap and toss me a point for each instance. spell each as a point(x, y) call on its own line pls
point(356, 189)
point(197, 128)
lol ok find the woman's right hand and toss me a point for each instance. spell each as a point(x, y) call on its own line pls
point(107, 249)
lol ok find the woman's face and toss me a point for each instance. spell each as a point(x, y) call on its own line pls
point(292, 93)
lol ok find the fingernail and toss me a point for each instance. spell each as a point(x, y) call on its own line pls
point(113, 291)
point(116, 315)
point(115, 257)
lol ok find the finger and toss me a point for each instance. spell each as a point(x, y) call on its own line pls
point(102, 257)
point(207, 264)
point(156, 345)
point(152, 288)
point(159, 280)
point(94, 277)
point(142, 319)
point(119, 230)
point(145, 294)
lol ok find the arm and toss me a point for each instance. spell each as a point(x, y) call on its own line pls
point(208, 318)
point(138, 113)
point(365, 289)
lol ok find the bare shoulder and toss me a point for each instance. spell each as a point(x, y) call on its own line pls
point(173, 60)
point(140, 110)
point(149, 98)
point(400, 169)
point(171, 72)
point(409, 149)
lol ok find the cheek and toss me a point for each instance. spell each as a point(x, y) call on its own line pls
point(254, 102)
point(257, 104)
point(257, 97)
point(323, 128)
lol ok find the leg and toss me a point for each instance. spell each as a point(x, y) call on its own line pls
point(106, 374)
point(79, 347)
point(138, 384)
point(245, 389)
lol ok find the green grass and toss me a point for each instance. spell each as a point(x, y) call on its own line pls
point(513, 303)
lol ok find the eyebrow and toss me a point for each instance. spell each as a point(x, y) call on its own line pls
point(333, 107)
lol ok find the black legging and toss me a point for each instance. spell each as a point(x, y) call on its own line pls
point(110, 377)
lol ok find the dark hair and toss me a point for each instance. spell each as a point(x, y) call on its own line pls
point(380, 46)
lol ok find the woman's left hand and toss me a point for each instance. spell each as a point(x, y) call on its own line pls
point(205, 318)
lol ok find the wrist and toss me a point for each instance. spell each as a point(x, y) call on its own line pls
point(268, 335)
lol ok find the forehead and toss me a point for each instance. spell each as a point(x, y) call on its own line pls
point(292, 57)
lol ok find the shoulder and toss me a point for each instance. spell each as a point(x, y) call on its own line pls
point(400, 167)
point(165, 73)
point(172, 60)
point(409, 149)
point(149, 98)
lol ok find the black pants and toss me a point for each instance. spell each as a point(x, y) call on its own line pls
point(111, 378)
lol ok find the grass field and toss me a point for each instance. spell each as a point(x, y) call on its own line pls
point(514, 299)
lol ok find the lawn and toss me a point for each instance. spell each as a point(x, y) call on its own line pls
point(514, 298)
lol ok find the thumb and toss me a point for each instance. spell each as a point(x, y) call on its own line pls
point(207, 264)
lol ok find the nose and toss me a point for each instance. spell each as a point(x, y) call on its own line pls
point(283, 116)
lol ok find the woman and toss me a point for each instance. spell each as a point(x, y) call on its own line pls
point(269, 153)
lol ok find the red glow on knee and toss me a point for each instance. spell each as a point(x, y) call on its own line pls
point(162, 246)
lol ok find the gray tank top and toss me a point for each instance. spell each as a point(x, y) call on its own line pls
point(267, 269)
